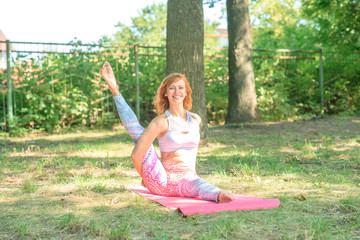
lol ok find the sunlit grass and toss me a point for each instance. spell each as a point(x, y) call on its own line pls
point(71, 185)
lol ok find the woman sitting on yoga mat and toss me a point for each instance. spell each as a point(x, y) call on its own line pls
point(177, 130)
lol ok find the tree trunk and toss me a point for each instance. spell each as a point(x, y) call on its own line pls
point(242, 96)
point(184, 49)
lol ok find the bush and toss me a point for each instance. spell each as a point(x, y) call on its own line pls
point(59, 91)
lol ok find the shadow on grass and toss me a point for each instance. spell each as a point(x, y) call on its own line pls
point(63, 214)
point(45, 143)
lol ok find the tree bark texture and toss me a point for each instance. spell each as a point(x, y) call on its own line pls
point(242, 95)
point(184, 49)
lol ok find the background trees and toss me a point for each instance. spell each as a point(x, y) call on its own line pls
point(280, 24)
point(149, 28)
point(335, 22)
point(55, 91)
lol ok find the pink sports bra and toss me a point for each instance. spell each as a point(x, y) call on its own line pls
point(180, 135)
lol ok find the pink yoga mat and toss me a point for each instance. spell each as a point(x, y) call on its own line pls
point(190, 206)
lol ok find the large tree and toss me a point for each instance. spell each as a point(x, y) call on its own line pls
point(184, 49)
point(242, 96)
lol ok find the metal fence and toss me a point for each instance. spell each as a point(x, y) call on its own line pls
point(28, 67)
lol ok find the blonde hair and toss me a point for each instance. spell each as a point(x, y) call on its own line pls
point(162, 103)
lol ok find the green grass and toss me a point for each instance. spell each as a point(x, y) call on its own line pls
point(71, 185)
point(29, 186)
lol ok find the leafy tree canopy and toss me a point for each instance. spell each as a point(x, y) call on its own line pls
point(278, 24)
point(149, 28)
point(337, 22)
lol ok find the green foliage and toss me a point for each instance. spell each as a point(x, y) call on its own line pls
point(58, 91)
point(342, 89)
point(216, 89)
point(293, 85)
point(278, 24)
point(210, 43)
point(272, 92)
point(337, 23)
point(149, 28)
point(211, 3)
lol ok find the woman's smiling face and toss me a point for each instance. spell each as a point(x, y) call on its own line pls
point(176, 92)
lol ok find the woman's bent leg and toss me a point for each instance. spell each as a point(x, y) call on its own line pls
point(153, 172)
point(151, 169)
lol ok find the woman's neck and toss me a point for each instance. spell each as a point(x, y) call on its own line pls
point(178, 112)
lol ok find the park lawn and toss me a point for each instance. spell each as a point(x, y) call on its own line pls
point(71, 185)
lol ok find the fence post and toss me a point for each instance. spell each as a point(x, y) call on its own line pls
point(8, 70)
point(4, 114)
point(137, 87)
point(321, 78)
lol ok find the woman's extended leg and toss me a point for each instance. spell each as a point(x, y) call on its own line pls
point(194, 186)
point(151, 168)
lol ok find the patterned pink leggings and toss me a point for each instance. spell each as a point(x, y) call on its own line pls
point(155, 177)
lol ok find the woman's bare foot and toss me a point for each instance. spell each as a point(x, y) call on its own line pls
point(225, 197)
point(108, 74)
